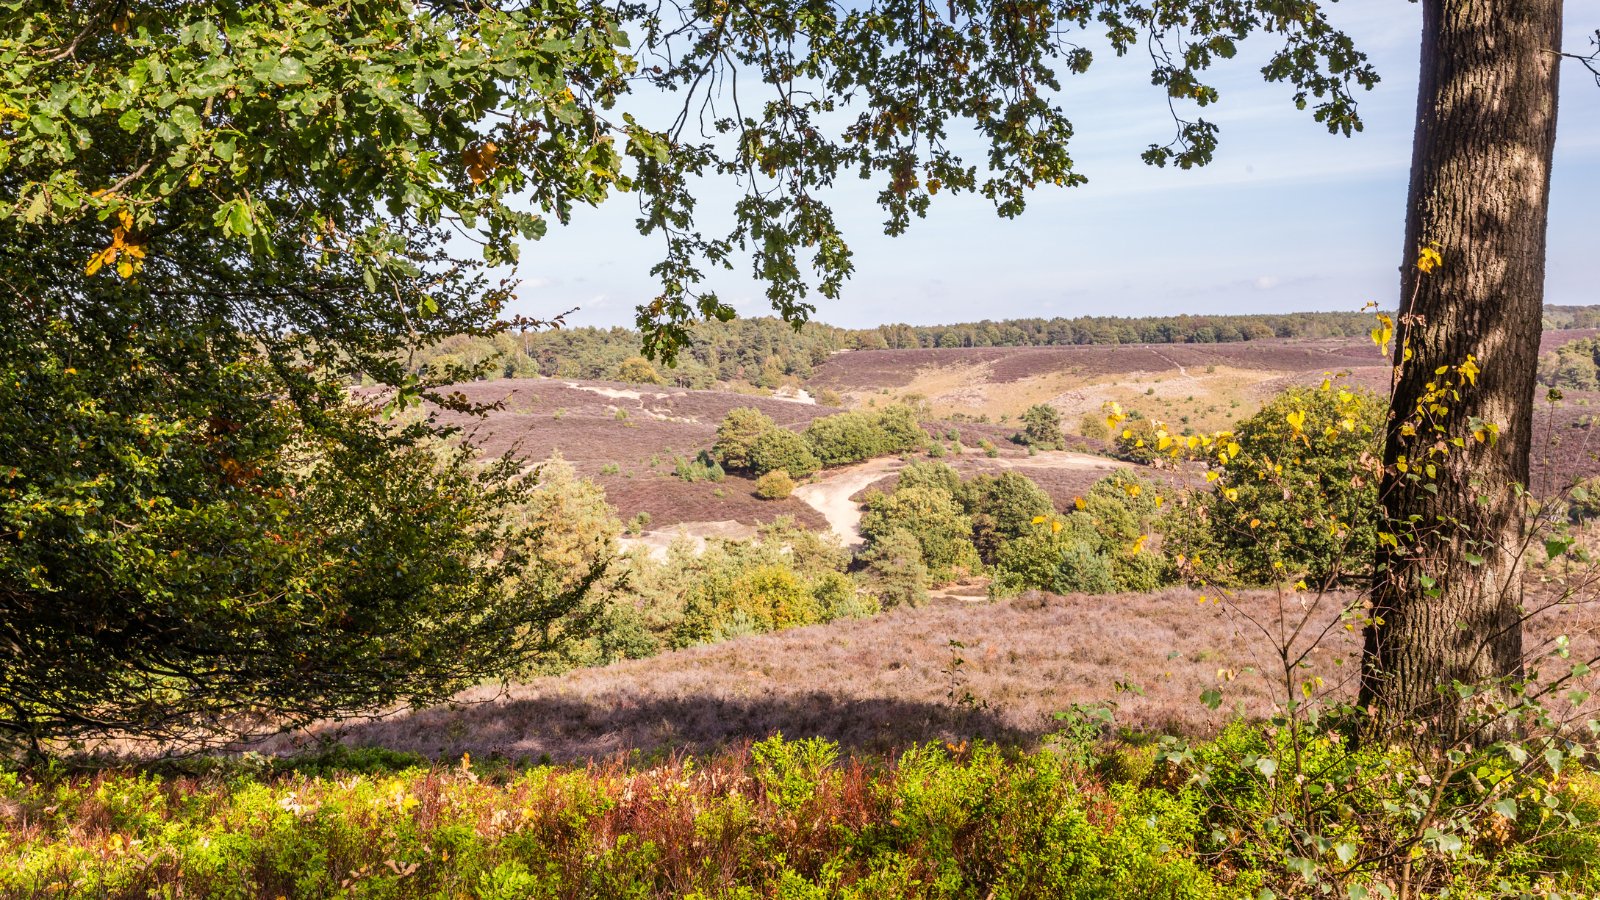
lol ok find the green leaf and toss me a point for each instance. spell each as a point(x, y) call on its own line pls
point(1211, 698)
point(289, 70)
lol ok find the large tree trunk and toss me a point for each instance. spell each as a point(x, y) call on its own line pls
point(1480, 186)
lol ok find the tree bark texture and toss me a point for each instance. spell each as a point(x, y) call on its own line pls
point(1447, 601)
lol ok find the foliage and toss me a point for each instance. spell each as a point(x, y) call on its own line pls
point(737, 435)
point(786, 576)
point(1574, 366)
point(934, 517)
point(570, 539)
point(1097, 548)
point(702, 468)
point(933, 822)
point(779, 448)
point(1041, 428)
point(198, 541)
point(894, 571)
point(1002, 508)
point(857, 435)
point(775, 485)
point(638, 370)
point(1294, 495)
point(1093, 426)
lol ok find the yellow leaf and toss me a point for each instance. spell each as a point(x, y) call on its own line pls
point(1429, 258)
point(1078, 502)
point(1055, 527)
point(1038, 520)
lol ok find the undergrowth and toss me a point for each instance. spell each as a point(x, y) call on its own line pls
point(786, 819)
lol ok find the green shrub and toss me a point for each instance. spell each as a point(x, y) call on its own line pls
point(1041, 428)
point(893, 570)
point(775, 485)
point(779, 449)
point(857, 435)
point(1289, 500)
point(701, 468)
point(1003, 508)
point(1060, 561)
point(934, 517)
point(737, 435)
point(638, 370)
point(838, 597)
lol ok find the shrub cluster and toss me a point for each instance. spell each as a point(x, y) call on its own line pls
point(775, 485)
point(785, 577)
point(1041, 429)
point(749, 440)
point(857, 435)
point(936, 527)
point(1097, 548)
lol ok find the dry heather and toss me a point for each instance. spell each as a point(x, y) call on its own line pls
point(878, 684)
point(626, 436)
point(1205, 386)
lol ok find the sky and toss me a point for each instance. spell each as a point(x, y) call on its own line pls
point(1287, 218)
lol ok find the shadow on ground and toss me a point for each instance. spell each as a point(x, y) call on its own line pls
point(572, 730)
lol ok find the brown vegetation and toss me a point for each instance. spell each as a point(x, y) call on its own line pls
point(884, 682)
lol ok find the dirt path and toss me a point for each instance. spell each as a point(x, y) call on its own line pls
point(830, 495)
point(1182, 372)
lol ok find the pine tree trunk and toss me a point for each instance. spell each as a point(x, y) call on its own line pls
point(1480, 187)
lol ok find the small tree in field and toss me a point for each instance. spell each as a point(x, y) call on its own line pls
point(894, 570)
point(1041, 428)
point(737, 435)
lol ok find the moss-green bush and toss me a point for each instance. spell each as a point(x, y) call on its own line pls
point(775, 485)
point(778, 449)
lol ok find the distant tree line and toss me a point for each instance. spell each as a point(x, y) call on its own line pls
point(768, 352)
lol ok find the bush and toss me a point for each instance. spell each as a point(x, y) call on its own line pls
point(1002, 508)
point(1041, 428)
point(894, 571)
point(775, 485)
point(737, 436)
point(701, 468)
point(838, 597)
point(1290, 500)
point(779, 449)
point(935, 518)
point(638, 370)
point(1098, 548)
point(1059, 560)
point(858, 435)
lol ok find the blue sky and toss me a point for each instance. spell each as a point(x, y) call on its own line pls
point(1287, 218)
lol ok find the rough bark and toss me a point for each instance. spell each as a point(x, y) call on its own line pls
point(1480, 181)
